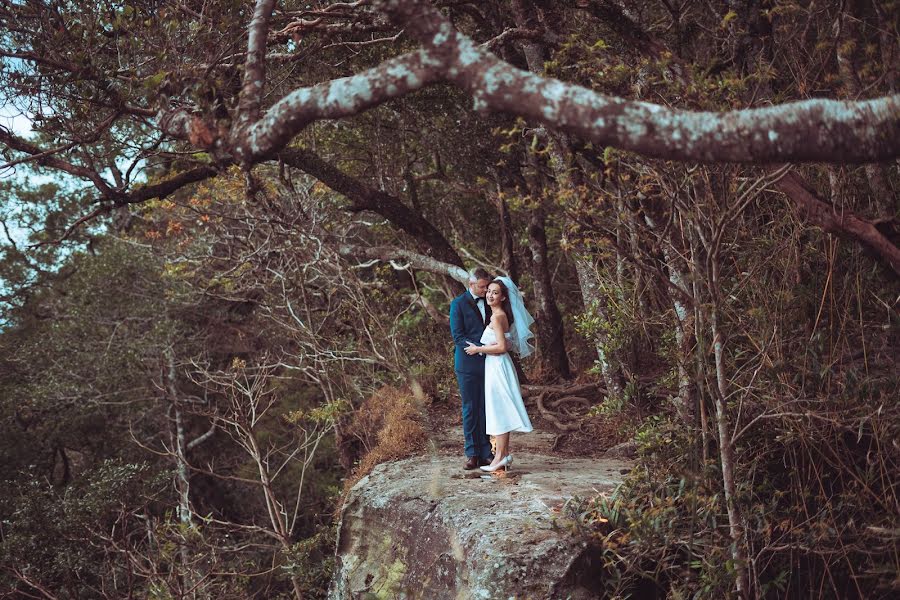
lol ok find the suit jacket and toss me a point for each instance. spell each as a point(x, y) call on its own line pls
point(466, 325)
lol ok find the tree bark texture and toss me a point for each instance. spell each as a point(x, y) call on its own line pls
point(809, 130)
point(726, 458)
point(549, 320)
point(594, 300)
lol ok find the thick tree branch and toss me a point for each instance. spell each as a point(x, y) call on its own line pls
point(47, 158)
point(413, 259)
point(169, 186)
point(845, 223)
point(797, 189)
point(255, 65)
point(338, 98)
point(365, 197)
point(812, 130)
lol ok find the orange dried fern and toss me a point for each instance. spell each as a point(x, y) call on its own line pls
point(390, 426)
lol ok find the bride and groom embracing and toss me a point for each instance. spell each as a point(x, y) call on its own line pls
point(487, 322)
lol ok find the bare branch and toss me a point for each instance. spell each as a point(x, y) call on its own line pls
point(516, 33)
point(362, 43)
point(118, 103)
point(142, 194)
point(47, 158)
point(203, 437)
point(352, 27)
point(844, 222)
point(414, 260)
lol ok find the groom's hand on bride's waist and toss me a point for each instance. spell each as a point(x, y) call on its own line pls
point(471, 348)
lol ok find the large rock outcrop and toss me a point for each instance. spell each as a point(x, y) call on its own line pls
point(424, 528)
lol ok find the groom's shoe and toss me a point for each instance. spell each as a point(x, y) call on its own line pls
point(485, 461)
point(473, 462)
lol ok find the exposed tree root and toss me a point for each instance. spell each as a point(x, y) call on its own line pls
point(553, 417)
point(568, 390)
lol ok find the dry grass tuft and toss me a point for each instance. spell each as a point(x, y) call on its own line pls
point(390, 426)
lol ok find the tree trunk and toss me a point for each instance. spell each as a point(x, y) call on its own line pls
point(683, 329)
point(182, 478)
point(723, 428)
point(594, 300)
point(274, 508)
point(507, 256)
point(726, 456)
point(553, 349)
point(696, 269)
point(548, 319)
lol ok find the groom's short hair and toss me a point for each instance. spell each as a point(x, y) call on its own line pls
point(479, 274)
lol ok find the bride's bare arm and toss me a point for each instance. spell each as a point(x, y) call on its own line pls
point(500, 325)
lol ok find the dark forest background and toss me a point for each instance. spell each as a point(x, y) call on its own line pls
point(187, 382)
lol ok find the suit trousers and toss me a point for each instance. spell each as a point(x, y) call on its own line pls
point(471, 391)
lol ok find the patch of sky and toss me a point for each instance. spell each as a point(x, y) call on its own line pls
point(22, 218)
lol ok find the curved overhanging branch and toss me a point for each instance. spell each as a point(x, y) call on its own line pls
point(412, 259)
point(335, 99)
point(255, 65)
point(810, 130)
point(365, 197)
point(842, 222)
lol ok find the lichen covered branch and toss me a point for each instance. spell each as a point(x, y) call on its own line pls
point(810, 130)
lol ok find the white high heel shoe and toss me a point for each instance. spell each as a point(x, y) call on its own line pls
point(505, 463)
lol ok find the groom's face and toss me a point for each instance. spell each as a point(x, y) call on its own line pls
point(479, 288)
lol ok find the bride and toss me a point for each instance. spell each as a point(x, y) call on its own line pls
point(509, 329)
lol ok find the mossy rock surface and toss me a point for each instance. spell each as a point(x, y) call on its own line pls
point(425, 528)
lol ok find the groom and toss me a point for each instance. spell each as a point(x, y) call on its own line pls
point(468, 316)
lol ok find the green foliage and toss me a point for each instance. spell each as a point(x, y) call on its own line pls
point(311, 562)
point(57, 534)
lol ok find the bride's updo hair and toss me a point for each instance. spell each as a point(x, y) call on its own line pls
point(507, 308)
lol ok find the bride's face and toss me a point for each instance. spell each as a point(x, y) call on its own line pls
point(494, 295)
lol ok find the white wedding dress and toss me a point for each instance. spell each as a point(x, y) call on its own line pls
point(503, 407)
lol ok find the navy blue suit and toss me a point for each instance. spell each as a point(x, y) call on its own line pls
point(467, 325)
